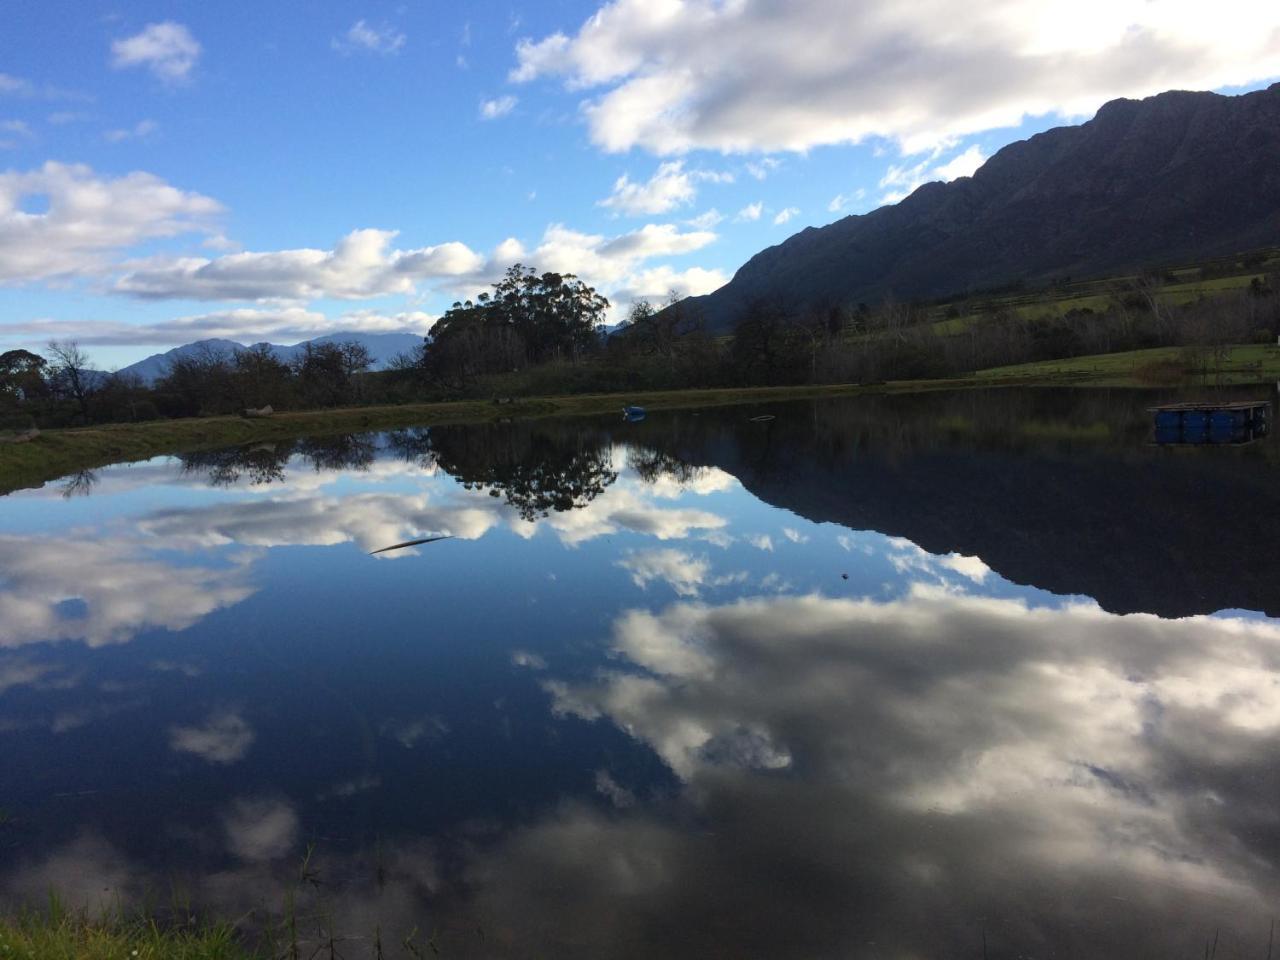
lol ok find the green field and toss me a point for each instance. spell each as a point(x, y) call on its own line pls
point(1241, 363)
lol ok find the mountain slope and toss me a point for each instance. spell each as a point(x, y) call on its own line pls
point(382, 347)
point(1176, 176)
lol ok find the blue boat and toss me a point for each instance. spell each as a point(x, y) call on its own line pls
point(633, 413)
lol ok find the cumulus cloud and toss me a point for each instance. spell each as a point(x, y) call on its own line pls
point(901, 179)
point(167, 49)
point(670, 186)
point(750, 212)
point(360, 265)
point(663, 281)
point(362, 37)
point(88, 218)
point(363, 265)
point(785, 215)
point(498, 107)
point(669, 77)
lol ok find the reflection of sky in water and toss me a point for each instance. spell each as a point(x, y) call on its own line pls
point(674, 716)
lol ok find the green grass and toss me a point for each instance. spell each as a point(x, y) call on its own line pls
point(60, 935)
point(56, 453)
point(1243, 363)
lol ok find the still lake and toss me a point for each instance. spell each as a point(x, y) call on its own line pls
point(912, 676)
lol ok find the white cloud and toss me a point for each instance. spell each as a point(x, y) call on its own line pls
point(664, 280)
point(498, 107)
point(669, 77)
point(609, 260)
point(670, 186)
point(902, 179)
point(362, 37)
point(784, 215)
point(362, 264)
point(139, 131)
point(88, 217)
point(706, 220)
point(750, 212)
point(842, 200)
point(167, 49)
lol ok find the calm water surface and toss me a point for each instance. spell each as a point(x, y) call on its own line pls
point(878, 678)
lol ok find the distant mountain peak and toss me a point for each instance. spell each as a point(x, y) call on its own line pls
point(382, 347)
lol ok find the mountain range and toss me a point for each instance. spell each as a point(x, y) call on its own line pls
point(382, 348)
point(1175, 177)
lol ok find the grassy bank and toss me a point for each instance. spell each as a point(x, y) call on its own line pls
point(56, 453)
point(1160, 366)
point(58, 935)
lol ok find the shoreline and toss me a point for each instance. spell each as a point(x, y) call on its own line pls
point(57, 453)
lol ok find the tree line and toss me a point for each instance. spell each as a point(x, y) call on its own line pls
point(544, 333)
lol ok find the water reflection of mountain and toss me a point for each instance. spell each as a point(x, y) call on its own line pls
point(1054, 489)
point(1057, 489)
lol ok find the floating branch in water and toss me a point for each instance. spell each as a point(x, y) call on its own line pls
point(412, 543)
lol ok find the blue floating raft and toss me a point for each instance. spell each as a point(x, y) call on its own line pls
point(1213, 422)
point(633, 413)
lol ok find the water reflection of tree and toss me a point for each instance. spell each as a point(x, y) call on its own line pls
point(79, 484)
point(344, 451)
point(651, 465)
point(538, 468)
point(262, 463)
point(413, 445)
point(265, 462)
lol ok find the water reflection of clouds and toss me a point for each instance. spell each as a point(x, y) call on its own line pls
point(373, 520)
point(104, 585)
point(223, 738)
point(909, 758)
point(915, 773)
point(103, 591)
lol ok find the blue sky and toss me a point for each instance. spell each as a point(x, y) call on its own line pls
point(270, 170)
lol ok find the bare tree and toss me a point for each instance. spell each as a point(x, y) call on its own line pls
point(71, 373)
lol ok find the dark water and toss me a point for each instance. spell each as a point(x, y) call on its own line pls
point(877, 678)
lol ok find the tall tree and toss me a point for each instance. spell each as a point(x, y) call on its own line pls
point(71, 374)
